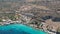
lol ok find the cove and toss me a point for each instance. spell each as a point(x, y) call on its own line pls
point(19, 29)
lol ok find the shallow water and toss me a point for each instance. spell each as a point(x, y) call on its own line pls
point(19, 29)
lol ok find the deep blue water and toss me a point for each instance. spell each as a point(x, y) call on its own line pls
point(19, 29)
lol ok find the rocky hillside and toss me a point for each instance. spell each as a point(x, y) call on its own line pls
point(37, 7)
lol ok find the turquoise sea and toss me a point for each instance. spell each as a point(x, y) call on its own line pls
point(19, 29)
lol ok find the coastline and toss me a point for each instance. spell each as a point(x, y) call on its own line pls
point(38, 29)
point(25, 25)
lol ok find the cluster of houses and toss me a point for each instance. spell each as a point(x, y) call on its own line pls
point(47, 24)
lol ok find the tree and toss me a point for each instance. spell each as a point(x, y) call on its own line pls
point(58, 30)
point(1, 20)
point(12, 17)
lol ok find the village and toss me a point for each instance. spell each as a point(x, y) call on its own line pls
point(45, 23)
point(37, 14)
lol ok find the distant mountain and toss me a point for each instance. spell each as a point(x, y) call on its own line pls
point(40, 5)
point(10, 0)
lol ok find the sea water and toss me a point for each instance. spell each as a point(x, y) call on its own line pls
point(19, 29)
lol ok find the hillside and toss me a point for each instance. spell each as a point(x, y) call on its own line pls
point(47, 7)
